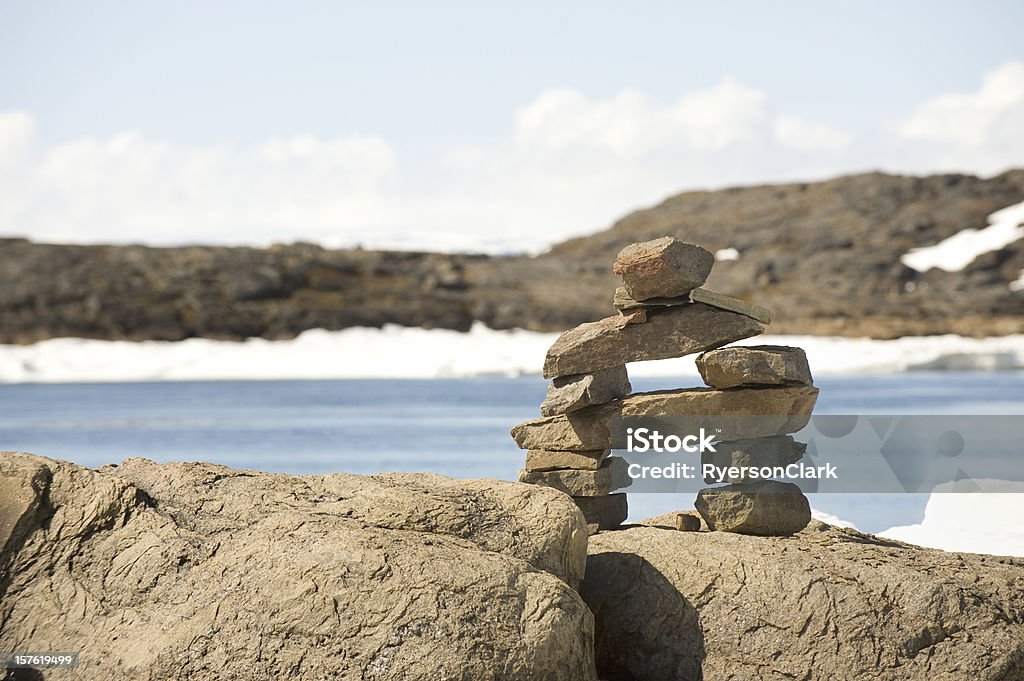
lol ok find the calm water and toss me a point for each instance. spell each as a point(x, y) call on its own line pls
point(458, 427)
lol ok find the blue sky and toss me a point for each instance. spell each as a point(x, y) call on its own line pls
point(468, 125)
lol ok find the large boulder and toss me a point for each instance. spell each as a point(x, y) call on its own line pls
point(196, 571)
point(22, 486)
point(825, 604)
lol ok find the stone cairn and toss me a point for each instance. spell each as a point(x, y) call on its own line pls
point(664, 313)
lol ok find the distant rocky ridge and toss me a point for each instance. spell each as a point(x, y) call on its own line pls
point(825, 256)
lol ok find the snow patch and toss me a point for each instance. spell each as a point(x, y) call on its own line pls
point(399, 352)
point(831, 519)
point(391, 352)
point(1018, 285)
point(971, 522)
point(839, 356)
point(958, 251)
point(727, 254)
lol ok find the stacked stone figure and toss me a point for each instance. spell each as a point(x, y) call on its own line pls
point(758, 394)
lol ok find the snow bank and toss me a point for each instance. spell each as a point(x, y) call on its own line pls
point(975, 523)
point(391, 352)
point(958, 251)
point(835, 356)
point(397, 352)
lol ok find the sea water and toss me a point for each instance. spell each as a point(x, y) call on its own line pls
point(457, 427)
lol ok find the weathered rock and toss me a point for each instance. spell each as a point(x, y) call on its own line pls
point(672, 521)
point(580, 431)
point(662, 268)
point(754, 365)
point(826, 604)
point(741, 413)
point(196, 571)
point(724, 302)
point(767, 507)
point(779, 450)
point(624, 303)
point(576, 391)
point(610, 476)
point(669, 332)
point(23, 485)
point(541, 460)
point(605, 512)
point(688, 522)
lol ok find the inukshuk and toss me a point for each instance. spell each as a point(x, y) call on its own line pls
point(760, 394)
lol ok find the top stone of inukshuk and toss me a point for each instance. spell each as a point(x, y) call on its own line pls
point(664, 313)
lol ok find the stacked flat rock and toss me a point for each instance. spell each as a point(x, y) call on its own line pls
point(664, 313)
point(764, 507)
point(588, 475)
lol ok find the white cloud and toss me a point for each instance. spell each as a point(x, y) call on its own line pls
point(569, 165)
point(802, 135)
point(720, 116)
point(17, 133)
point(632, 123)
point(129, 187)
point(981, 130)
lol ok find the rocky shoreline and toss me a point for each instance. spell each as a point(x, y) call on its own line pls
point(197, 571)
point(825, 256)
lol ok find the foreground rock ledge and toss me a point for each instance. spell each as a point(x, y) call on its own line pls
point(825, 604)
point(196, 571)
